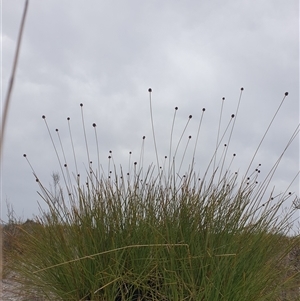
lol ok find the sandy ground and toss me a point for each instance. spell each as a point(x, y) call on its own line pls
point(10, 291)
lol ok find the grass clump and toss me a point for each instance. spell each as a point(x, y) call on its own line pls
point(154, 235)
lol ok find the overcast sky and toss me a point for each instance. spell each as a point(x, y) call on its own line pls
point(106, 54)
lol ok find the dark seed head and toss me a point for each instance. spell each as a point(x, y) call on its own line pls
point(190, 116)
point(43, 116)
point(150, 90)
point(68, 118)
point(81, 104)
point(223, 98)
point(242, 89)
point(232, 115)
point(94, 124)
point(176, 108)
point(144, 137)
point(56, 130)
point(286, 93)
point(203, 109)
point(24, 155)
point(65, 165)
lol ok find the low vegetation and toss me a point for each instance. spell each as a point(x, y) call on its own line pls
point(151, 234)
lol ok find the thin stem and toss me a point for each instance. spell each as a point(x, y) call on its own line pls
point(230, 135)
point(65, 163)
point(12, 79)
point(73, 149)
point(198, 131)
point(141, 160)
point(267, 130)
point(56, 152)
point(221, 113)
point(85, 138)
point(214, 154)
point(97, 144)
point(171, 139)
point(189, 138)
point(174, 156)
point(152, 124)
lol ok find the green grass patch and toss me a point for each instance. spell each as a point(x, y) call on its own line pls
point(153, 235)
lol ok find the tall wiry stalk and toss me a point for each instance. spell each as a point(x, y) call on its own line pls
point(5, 112)
point(230, 135)
point(153, 132)
point(266, 132)
point(12, 79)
